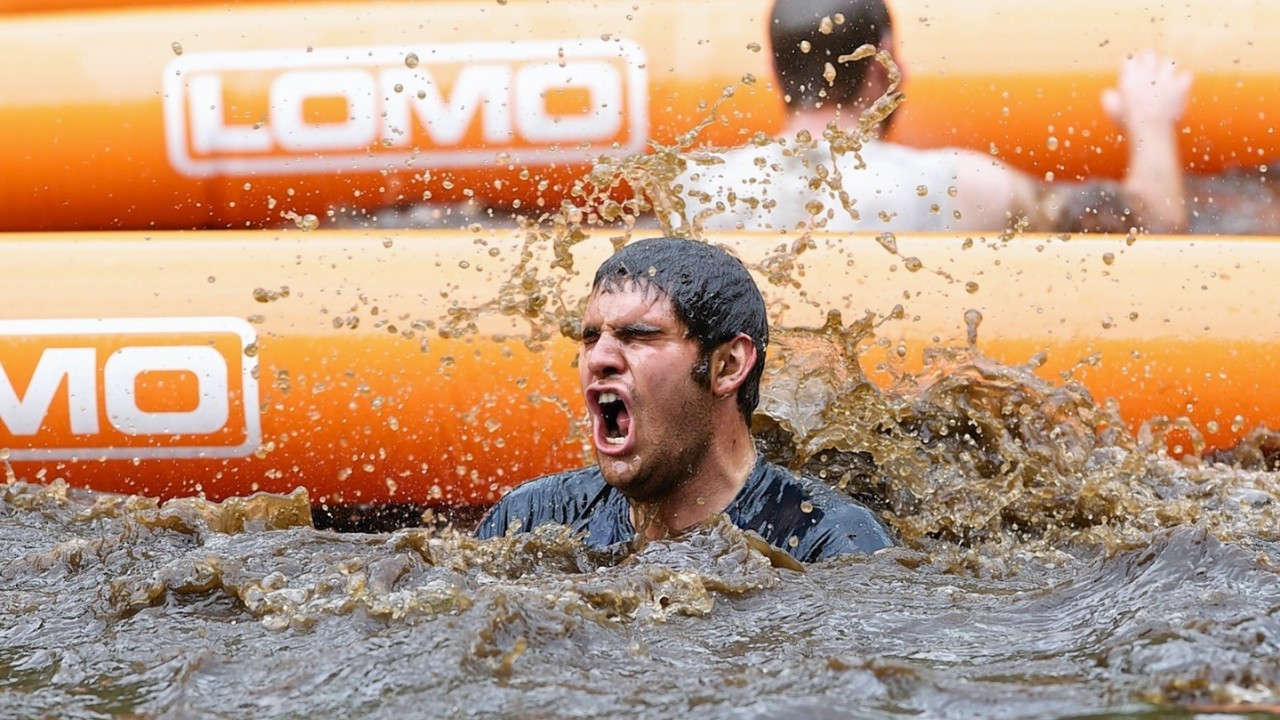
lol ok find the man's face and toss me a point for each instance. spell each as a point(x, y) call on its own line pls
point(650, 419)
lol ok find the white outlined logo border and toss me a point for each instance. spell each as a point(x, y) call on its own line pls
point(152, 326)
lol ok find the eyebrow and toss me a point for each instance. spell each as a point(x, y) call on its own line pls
point(628, 330)
point(638, 328)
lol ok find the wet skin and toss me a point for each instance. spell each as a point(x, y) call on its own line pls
point(654, 438)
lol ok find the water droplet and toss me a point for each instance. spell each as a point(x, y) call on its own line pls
point(972, 319)
point(177, 47)
point(411, 60)
point(753, 46)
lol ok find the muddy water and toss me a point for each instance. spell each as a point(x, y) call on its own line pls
point(1050, 567)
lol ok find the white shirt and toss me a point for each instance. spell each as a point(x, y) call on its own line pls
point(776, 186)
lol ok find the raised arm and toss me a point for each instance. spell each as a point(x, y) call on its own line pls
point(1147, 103)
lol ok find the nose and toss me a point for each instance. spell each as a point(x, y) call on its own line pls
point(604, 357)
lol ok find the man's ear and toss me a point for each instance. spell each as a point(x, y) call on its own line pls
point(731, 363)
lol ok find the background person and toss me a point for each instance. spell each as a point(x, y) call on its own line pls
point(886, 186)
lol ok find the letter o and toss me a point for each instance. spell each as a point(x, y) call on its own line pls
point(120, 375)
point(290, 91)
point(603, 118)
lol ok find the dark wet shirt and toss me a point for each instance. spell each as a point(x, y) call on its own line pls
point(809, 520)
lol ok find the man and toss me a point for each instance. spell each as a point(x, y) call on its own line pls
point(673, 346)
point(779, 186)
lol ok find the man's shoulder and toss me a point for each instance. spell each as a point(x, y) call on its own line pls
point(560, 498)
point(741, 163)
point(829, 523)
point(568, 481)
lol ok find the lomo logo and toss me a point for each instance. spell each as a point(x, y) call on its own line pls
point(455, 105)
point(128, 388)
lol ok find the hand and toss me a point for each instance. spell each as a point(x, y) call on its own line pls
point(1150, 90)
point(1147, 102)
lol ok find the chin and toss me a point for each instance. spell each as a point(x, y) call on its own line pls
point(623, 475)
point(617, 472)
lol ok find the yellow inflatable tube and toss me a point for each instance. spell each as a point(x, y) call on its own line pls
point(171, 364)
point(231, 115)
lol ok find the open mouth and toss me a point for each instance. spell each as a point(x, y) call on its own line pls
point(616, 418)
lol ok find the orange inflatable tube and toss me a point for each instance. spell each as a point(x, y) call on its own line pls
point(230, 115)
point(227, 363)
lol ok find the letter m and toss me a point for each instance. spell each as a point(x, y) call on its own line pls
point(24, 415)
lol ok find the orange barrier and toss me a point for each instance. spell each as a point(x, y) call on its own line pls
point(226, 363)
point(235, 114)
point(30, 6)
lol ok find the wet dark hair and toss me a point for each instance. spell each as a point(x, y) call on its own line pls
point(712, 293)
point(800, 74)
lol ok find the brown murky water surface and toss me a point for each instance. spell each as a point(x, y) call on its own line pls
point(117, 607)
point(1052, 565)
